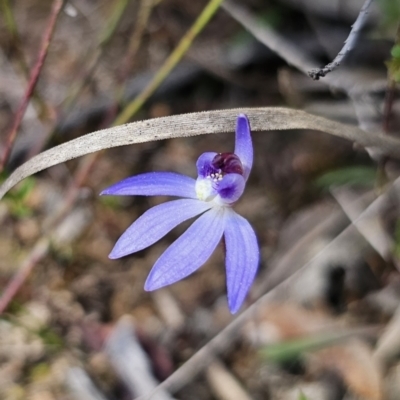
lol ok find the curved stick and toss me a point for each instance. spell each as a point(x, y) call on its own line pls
point(185, 125)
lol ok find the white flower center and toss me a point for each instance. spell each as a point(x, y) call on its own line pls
point(204, 189)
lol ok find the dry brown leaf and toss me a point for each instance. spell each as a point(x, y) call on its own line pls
point(388, 346)
point(223, 384)
point(354, 362)
point(279, 322)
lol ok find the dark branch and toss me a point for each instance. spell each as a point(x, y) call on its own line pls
point(348, 44)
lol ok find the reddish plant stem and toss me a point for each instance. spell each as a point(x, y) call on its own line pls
point(41, 247)
point(47, 36)
point(72, 192)
point(38, 252)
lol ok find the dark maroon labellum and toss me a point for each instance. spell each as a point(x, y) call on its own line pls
point(228, 163)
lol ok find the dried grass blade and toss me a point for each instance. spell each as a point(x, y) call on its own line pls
point(185, 125)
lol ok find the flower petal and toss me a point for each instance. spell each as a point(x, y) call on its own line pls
point(204, 166)
point(156, 223)
point(242, 258)
point(154, 184)
point(189, 252)
point(231, 187)
point(243, 144)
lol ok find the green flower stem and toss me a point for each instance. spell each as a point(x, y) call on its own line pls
point(112, 25)
point(92, 59)
point(9, 19)
point(11, 25)
point(134, 106)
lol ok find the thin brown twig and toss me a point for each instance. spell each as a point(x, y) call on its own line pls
point(72, 194)
point(144, 13)
point(42, 246)
point(348, 44)
point(37, 253)
point(224, 339)
point(88, 162)
point(93, 59)
point(19, 58)
point(47, 37)
point(348, 82)
point(15, 39)
point(105, 38)
point(40, 249)
point(84, 168)
point(373, 231)
point(146, 6)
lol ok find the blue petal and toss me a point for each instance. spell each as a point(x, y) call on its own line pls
point(204, 166)
point(231, 187)
point(154, 184)
point(189, 252)
point(243, 144)
point(156, 223)
point(242, 258)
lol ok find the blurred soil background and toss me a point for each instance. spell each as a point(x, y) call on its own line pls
point(81, 327)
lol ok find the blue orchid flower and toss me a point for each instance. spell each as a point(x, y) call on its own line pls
point(221, 181)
